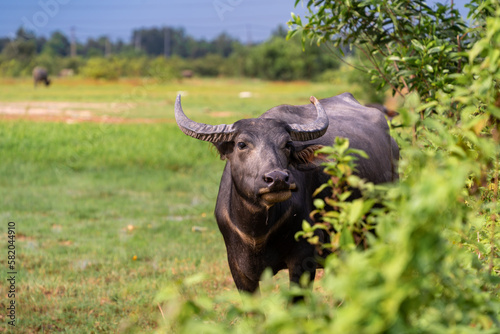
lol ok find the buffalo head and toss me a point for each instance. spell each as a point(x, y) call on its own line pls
point(261, 152)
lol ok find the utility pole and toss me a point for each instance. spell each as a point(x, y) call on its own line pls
point(249, 34)
point(166, 42)
point(138, 40)
point(73, 43)
point(107, 47)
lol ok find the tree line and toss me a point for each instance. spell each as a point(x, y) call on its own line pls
point(164, 53)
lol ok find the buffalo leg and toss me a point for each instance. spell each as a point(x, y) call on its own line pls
point(243, 283)
point(307, 266)
point(296, 273)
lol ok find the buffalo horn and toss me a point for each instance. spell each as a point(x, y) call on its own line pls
point(310, 131)
point(211, 133)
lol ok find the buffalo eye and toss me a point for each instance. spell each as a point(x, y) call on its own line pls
point(241, 145)
point(289, 146)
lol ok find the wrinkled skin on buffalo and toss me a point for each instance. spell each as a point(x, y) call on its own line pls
point(267, 186)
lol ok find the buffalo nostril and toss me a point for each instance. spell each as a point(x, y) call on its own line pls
point(276, 176)
point(268, 179)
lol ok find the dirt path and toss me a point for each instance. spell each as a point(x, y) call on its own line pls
point(70, 112)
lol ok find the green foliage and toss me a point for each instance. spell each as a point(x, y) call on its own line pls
point(409, 45)
point(102, 68)
point(208, 66)
point(12, 68)
point(340, 216)
point(164, 69)
point(23, 48)
point(361, 81)
point(278, 59)
point(73, 63)
point(274, 59)
point(136, 66)
point(57, 45)
point(17, 55)
point(175, 42)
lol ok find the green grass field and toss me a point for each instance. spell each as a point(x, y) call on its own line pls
point(108, 214)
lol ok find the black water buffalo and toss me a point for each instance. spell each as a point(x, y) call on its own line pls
point(40, 74)
point(390, 114)
point(267, 185)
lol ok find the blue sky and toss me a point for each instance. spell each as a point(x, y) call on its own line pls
point(248, 20)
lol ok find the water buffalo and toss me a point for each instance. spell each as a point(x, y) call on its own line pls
point(390, 114)
point(271, 173)
point(40, 74)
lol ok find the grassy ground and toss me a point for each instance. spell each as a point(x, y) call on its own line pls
point(108, 214)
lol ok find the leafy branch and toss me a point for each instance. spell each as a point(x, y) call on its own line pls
point(388, 29)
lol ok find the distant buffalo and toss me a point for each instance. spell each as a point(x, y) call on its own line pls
point(187, 74)
point(40, 74)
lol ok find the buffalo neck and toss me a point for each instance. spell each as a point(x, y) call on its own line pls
point(254, 219)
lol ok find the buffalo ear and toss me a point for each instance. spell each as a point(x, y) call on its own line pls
point(303, 158)
point(224, 148)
